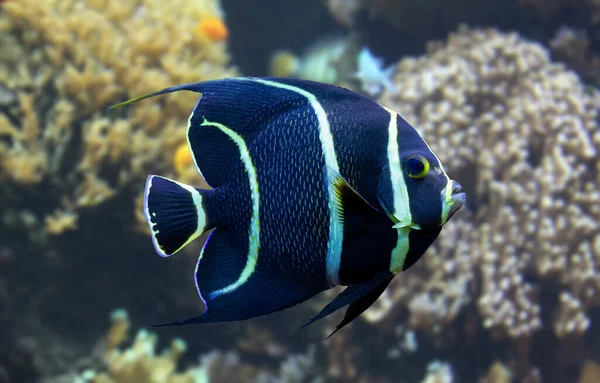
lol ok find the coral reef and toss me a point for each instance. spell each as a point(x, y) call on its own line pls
point(572, 46)
point(331, 60)
point(62, 63)
point(138, 362)
point(438, 372)
point(344, 11)
point(590, 373)
point(514, 274)
point(522, 131)
point(522, 135)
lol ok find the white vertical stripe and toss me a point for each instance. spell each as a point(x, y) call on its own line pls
point(254, 229)
point(336, 228)
point(401, 250)
point(401, 199)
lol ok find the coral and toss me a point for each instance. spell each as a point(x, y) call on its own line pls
point(572, 46)
point(498, 373)
point(182, 159)
point(438, 372)
point(371, 74)
point(331, 60)
point(344, 11)
point(139, 362)
point(284, 64)
point(61, 221)
point(549, 8)
point(590, 373)
point(63, 62)
point(212, 28)
point(521, 132)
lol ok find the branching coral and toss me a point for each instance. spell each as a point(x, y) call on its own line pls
point(521, 133)
point(63, 62)
point(137, 362)
point(573, 47)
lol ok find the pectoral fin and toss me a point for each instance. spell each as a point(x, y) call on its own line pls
point(353, 209)
point(360, 297)
point(362, 304)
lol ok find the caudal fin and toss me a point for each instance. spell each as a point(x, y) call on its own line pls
point(175, 213)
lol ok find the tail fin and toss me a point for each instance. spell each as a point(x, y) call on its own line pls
point(175, 213)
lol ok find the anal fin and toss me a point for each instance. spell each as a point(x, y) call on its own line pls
point(360, 297)
point(362, 304)
point(233, 286)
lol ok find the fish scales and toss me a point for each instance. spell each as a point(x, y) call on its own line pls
point(290, 170)
point(274, 147)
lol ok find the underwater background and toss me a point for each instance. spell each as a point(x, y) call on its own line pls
point(505, 92)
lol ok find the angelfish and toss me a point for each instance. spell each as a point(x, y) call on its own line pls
point(313, 186)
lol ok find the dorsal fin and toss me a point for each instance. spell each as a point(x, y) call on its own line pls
point(245, 105)
point(237, 108)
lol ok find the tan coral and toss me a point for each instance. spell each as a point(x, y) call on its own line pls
point(521, 133)
point(573, 46)
point(61, 221)
point(139, 363)
point(65, 61)
point(498, 373)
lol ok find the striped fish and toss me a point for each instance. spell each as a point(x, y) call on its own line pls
point(313, 186)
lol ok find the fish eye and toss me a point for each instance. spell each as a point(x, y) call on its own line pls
point(416, 166)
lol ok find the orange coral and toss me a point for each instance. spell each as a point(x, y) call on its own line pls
point(182, 158)
point(214, 28)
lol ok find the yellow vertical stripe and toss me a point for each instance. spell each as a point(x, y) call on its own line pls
point(254, 229)
point(401, 199)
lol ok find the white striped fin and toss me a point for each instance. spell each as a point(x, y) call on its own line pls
point(170, 212)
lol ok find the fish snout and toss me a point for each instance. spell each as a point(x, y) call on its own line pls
point(458, 198)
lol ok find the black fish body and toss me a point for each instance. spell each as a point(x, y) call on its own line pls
point(314, 186)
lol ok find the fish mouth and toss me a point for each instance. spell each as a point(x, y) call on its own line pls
point(457, 199)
